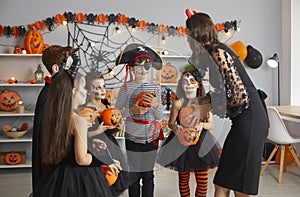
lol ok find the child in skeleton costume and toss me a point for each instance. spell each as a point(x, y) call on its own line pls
point(110, 152)
point(190, 147)
point(142, 119)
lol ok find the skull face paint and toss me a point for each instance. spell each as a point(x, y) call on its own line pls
point(97, 90)
point(190, 85)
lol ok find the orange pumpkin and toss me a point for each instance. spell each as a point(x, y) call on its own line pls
point(111, 117)
point(141, 101)
point(24, 127)
point(88, 112)
point(13, 158)
point(240, 50)
point(9, 100)
point(289, 159)
point(34, 42)
point(188, 136)
point(184, 112)
point(7, 128)
point(168, 74)
point(17, 50)
point(110, 176)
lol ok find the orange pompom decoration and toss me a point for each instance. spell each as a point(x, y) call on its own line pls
point(13, 158)
point(34, 42)
point(188, 136)
point(110, 176)
point(122, 19)
point(220, 27)
point(111, 117)
point(161, 29)
point(184, 112)
point(181, 31)
point(142, 24)
point(40, 25)
point(80, 17)
point(15, 31)
point(101, 18)
point(59, 19)
point(240, 50)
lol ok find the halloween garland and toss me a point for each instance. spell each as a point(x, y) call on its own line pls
point(59, 19)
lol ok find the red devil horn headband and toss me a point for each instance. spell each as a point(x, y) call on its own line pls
point(189, 14)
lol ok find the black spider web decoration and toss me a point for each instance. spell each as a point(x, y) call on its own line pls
point(99, 46)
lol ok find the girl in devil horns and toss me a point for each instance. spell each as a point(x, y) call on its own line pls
point(240, 161)
point(190, 147)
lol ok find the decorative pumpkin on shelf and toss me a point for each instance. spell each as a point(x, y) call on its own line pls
point(141, 101)
point(184, 112)
point(9, 100)
point(188, 136)
point(24, 127)
point(168, 74)
point(17, 50)
point(111, 117)
point(7, 128)
point(110, 176)
point(13, 158)
point(34, 42)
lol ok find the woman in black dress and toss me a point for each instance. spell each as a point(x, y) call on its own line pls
point(240, 161)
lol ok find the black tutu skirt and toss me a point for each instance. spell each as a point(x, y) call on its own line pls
point(113, 151)
point(202, 156)
point(69, 179)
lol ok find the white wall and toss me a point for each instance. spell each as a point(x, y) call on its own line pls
point(260, 27)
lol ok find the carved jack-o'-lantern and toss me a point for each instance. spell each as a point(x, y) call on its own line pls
point(88, 112)
point(110, 176)
point(7, 128)
point(183, 114)
point(168, 74)
point(34, 42)
point(13, 158)
point(9, 100)
point(188, 136)
point(111, 116)
point(141, 101)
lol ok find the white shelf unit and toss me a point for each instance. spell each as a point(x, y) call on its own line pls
point(22, 67)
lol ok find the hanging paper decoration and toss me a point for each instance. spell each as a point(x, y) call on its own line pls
point(59, 19)
point(80, 17)
point(142, 24)
point(240, 50)
point(122, 19)
point(102, 18)
point(161, 29)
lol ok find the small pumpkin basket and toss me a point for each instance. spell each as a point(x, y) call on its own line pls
point(16, 134)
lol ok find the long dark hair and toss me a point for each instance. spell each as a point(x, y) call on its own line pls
point(201, 28)
point(58, 122)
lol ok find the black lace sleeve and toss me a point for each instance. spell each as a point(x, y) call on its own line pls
point(236, 92)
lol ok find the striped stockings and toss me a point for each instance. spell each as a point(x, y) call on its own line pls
point(201, 179)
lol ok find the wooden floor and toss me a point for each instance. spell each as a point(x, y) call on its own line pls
point(17, 183)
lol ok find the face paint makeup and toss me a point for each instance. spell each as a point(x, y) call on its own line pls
point(98, 89)
point(190, 85)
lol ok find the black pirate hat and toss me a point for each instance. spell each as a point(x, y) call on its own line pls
point(135, 50)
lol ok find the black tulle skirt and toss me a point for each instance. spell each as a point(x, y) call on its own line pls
point(113, 151)
point(72, 180)
point(202, 156)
